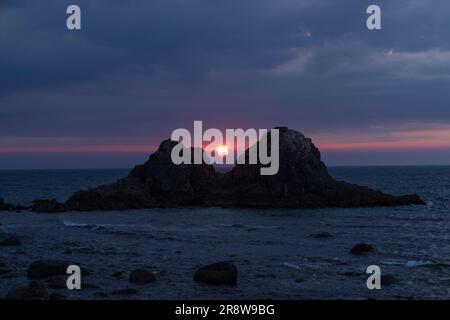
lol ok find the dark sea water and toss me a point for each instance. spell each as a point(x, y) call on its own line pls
point(275, 251)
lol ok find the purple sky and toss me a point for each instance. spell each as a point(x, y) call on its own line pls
point(107, 95)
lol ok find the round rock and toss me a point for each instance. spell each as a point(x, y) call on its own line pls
point(361, 248)
point(47, 268)
point(33, 291)
point(217, 273)
point(141, 276)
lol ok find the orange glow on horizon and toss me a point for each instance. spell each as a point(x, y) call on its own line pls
point(384, 145)
point(434, 137)
point(80, 149)
point(222, 150)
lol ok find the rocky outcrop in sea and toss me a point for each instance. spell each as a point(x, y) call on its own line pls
point(6, 206)
point(302, 181)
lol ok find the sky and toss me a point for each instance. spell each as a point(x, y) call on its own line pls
point(106, 95)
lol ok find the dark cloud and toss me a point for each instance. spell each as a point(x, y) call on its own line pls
point(142, 68)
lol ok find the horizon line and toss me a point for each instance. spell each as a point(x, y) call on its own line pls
point(149, 149)
point(231, 166)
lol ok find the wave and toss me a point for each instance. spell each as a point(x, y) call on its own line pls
point(95, 225)
point(243, 226)
point(418, 263)
point(415, 263)
point(291, 265)
point(83, 225)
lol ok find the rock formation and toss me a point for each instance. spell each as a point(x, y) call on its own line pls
point(35, 290)
point(141, 276)
point(302, 181)
point(47, 268)
point(217, 273)
point(6, 206)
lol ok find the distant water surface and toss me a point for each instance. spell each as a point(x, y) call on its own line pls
point(24, 186)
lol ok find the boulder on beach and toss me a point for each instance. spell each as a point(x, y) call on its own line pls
point(47, 268)
point(217, 273)
point(142, 276)
point(361, 248)
point(35, 290)
point(302, 181)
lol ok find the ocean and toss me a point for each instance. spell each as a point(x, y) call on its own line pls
point(280, 254)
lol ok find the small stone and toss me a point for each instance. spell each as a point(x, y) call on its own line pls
point(141, 276)
point(217, 273)
point(361, 248)
point(47, 268)
point(33, 291)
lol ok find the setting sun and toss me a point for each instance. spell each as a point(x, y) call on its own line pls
point(222, 150)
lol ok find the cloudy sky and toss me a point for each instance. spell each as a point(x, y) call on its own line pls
point(107, 95)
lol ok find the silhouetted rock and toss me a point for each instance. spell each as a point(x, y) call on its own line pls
point(20, 208)
point(217, 273)
point(11, 241)
point(47, 206)
point(35, 290)
point(141, 276)
point(361, 248)
point(157, 183)
point(47, 268)
point(6, 206)
point(301, 182)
